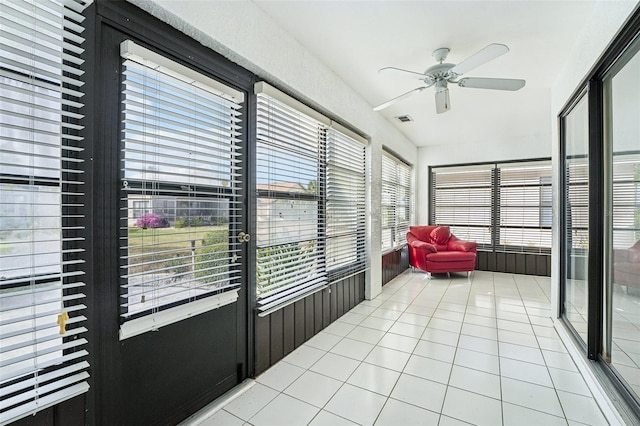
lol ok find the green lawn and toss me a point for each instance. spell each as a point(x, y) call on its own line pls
point(172, 247)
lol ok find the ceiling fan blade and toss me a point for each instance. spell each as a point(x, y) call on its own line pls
point(442, 101)
point(404, 73)
point(492, 83)
point(483, 56)
point(396, 99)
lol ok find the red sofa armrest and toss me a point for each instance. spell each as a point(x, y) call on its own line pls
point(424, 245)
point(456, 244)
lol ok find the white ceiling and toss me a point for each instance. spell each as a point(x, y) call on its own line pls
point(357, 38)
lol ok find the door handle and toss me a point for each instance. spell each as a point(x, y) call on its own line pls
point(244, 237)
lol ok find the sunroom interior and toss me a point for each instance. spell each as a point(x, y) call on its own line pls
point(192, 191)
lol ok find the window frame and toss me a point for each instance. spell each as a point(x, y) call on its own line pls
point(495, 185)
point(195, 190)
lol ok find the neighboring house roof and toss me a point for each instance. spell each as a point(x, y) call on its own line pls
point(281, 187)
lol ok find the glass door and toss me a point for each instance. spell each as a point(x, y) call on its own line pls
point(621, 345)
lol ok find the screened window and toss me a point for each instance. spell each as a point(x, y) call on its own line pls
point(310, 186)
point(180, 187)
point(397, 201)
point(502, 206)
point(42, 326)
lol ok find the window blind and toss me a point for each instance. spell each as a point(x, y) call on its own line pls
point(626, 198)
point(42, 326)
point(577, 217)
point(502, 206)
point(525, 206)
point(462, 197)
point(181, 185)
point(346, 205)
point(290, 184)
point(397, 201)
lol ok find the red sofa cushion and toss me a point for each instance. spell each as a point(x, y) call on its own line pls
point(440, 235)
point(460, 245)
point(422, 232)
point(423, 245)
point(451, 256)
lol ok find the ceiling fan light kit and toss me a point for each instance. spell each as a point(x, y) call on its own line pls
point(442, 73)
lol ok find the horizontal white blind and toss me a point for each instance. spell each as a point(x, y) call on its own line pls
point(41, 193)
point(502, 206)
point(397, 201)
point(577, 217)
point(181, 179)
point(346, 204)
point(462, 198)
point(525, 206)
point(626, 198)
point(290, 183)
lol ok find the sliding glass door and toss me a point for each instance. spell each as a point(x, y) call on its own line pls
point(621, 346)
point(600, 215)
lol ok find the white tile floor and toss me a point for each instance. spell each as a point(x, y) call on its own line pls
point(445, 351)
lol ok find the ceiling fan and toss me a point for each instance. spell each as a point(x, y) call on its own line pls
point(441, 74)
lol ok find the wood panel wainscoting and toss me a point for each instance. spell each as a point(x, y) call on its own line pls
point(394, 263)
point(514, 263)
point(397, 261)
point(279, 333)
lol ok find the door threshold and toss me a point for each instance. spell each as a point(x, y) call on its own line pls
point(216, 405)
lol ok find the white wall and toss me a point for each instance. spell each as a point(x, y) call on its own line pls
point(242, 32)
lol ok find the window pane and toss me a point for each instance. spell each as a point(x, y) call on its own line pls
point(176, 252)
point(576, 216)
point(30, 129)
point(284, 221)
point(30, 230)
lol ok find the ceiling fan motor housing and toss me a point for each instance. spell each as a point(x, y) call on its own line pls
point(439, 71)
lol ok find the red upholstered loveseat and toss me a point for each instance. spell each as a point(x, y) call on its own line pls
point(626, 266)
point(435, 250)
